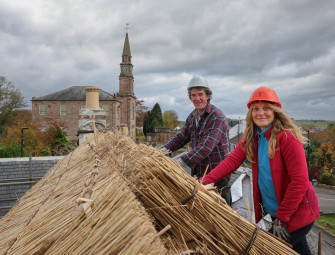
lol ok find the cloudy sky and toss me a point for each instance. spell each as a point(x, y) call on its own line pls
point(238, 45)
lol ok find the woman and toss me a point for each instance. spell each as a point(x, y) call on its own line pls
point(274, 145)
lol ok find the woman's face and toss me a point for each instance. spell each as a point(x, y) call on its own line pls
point(262, 114)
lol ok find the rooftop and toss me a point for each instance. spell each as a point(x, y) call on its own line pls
point(75, 93)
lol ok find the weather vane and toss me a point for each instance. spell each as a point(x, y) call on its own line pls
point(127, 27)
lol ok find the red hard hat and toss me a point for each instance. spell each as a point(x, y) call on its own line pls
point(264, 94)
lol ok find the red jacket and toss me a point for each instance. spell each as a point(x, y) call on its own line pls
point(298, 203)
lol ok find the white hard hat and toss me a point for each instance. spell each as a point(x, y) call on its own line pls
point(198, 81)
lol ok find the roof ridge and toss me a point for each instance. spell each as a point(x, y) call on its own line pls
point(74, 93)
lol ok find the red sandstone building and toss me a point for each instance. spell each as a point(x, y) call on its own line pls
point(63, 106)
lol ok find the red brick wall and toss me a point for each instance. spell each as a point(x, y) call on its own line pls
point(70, 120)
point(161, 137)
point(128, 114)
point(126, 85)
point(128, 104)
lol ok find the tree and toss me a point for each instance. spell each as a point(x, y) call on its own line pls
point(325, 156)
point(141, 111)
point(170, 119)
point(52, 142)
point(153, 119)
point(33, 137)
point(325, 136)
point(322, 146)
point(11, 100)
point(314, 145)
point(156, 115)
point(328, 135)
point(147, 124)
point(12, 151)
point(57, 140)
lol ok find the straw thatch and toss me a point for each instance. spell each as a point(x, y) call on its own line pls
point(111, 196)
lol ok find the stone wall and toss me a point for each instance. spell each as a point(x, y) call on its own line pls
point(17, 175)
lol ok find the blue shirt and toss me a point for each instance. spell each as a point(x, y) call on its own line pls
point(265, 182)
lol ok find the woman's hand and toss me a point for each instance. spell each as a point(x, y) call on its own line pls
point(280, 229)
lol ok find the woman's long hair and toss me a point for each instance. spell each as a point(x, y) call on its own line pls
point(280, 122)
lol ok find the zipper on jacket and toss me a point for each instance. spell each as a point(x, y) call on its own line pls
point(307, 202)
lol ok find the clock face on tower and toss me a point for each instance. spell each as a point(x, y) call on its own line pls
point(125, 69)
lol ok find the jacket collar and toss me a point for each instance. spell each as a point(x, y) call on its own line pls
point(267, 133)
point(260, 132)
point(207, 110)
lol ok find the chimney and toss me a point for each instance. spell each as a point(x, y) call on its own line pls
point(124, 129)
point(91, 112)
point(92, 97)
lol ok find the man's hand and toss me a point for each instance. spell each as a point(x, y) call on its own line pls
point(164, 149)
point(280, 230)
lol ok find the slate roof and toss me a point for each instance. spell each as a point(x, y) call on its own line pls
point(75, 93)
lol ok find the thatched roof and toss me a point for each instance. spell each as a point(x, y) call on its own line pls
point(111, 196)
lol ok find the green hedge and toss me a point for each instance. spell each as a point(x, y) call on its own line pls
point(12, 151)
point(328, 178)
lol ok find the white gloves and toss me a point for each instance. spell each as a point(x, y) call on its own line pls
point(280, 230)
point(164, 150)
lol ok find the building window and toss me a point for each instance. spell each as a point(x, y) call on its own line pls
point(63, 109)
point(42, 109)
point(105, 107)
point(83, 106)
point(132, 111)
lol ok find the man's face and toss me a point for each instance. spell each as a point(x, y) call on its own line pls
point(199, 99)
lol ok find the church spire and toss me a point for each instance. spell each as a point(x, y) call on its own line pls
point(126, 47)
point(126, 65)
point(126, 89)
point(126, 55)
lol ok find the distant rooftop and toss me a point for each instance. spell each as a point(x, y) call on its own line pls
point(75, 93)
point(237, 129)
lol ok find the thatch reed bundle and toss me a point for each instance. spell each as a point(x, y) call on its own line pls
point(48, 220)
point(84, 206)
point(204, 224)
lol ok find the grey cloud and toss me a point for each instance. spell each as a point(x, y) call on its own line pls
point(238, 45)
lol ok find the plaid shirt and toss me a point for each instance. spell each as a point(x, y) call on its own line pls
point(209, 141)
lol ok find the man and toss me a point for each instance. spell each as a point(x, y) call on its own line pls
point(207, 130)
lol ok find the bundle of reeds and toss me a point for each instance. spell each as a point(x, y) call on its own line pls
point(51, 218)
point(87, 204)
point(204, 224)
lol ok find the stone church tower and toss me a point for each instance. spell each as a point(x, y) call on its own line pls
point(62, 107)
point(126, 91)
